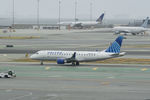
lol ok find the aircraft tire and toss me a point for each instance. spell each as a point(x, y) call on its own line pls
point(77, 63)
point(73, 64)
point(41, 62)
point(6, 76)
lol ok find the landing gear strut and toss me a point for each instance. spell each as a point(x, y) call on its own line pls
point(75, 63)
point(41, 62)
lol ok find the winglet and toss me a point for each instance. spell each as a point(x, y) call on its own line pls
point(116, 45)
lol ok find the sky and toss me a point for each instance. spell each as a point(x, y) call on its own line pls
point(114, 9)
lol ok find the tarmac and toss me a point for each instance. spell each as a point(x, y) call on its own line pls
point(89, 81)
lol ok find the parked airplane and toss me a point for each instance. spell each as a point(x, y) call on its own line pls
point(84, 23)
point(75, 57)
point(132, 30)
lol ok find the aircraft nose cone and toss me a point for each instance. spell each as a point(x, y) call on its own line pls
point(32, 57)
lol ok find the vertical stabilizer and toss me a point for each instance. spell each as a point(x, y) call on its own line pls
point(145, 23)
point(116, 45)
point(100, 19)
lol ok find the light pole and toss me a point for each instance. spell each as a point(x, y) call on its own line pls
point(38, 7)
point(91, 8)
point(13, 15)
point(59, 14)
point(75, 11)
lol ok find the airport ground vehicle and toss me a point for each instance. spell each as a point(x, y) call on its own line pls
point(9, 74)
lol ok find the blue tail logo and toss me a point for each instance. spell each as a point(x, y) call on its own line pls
point(100, 19)
point(145, 23)
point(116, 45)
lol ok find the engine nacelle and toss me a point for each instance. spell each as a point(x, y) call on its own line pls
point(60, 61)
point(117, 32)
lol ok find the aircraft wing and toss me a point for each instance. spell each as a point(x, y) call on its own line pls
point(78, 25)
point(72, 59)
point(125, 31)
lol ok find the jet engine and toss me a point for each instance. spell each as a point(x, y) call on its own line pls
point(61, 61)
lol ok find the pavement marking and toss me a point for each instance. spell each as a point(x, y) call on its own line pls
point(9, 90)
point(95, 68)
point(56, 76)
point(19, 97)
point(105, 83)
point(111, 77)
point(51, 96)
point(144, 69)
point(47, 68)
point(80, 87)
point(4, 55)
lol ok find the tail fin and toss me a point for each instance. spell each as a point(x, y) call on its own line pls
point(116, 45)
point(145, 23)
point(100, 19)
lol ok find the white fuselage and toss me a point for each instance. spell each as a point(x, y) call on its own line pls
point(83, 23)
point(81, 56)
point(130, 29)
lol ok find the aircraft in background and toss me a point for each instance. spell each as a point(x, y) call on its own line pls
point(75, 57)
point(132, 30)
point(81, 24)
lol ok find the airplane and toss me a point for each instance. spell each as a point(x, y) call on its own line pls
point(75, 57)
point(132, 30)
point(84, 23)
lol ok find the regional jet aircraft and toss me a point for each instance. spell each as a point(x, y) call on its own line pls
point(132, 30)
point(74, 57)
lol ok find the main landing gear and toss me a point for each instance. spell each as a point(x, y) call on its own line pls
point(41, 62)
point(75, 63)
